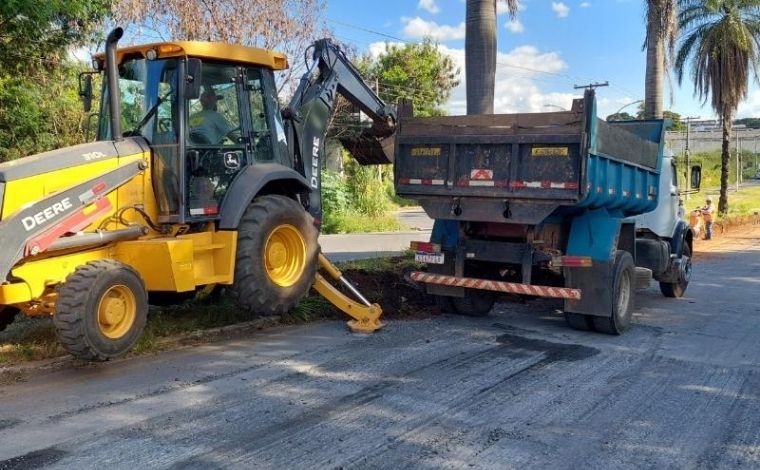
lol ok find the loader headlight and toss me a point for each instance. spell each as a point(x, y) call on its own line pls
point(151, 54)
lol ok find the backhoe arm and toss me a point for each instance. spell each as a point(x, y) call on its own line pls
point(308, 115)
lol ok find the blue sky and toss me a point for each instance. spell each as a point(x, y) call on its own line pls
point(553, 46)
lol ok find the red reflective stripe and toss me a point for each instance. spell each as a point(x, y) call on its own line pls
point(498, 286)
point(576, 261)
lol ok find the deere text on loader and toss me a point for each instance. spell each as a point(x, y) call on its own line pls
point(197, 178)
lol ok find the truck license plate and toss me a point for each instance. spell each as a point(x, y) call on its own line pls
point(430, 258)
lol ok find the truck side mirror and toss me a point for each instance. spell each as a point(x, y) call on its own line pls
point(85, 90)
point(193, 87)
point(696, 176)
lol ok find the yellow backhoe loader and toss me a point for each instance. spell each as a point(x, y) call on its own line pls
point(196, 178)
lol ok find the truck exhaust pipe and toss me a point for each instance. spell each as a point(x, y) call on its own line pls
point(112, 72)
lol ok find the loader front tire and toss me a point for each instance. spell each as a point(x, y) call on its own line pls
point(276, 259)
point(101, 310)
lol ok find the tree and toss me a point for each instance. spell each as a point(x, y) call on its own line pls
point(661, 32)
point(720, 44)
point(480, 53)
point(624, 116)
point(35, 33)
point(419, 72)
point(39, 103)
point(751, 123)
point(287, 26)
point(677, 124)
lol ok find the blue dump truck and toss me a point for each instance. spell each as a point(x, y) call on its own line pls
point(559, 204)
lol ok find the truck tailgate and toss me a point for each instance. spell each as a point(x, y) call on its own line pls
point(536, 156)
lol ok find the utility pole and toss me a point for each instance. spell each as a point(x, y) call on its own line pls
point(738, 170)
point(591, 86)
point(687, 154)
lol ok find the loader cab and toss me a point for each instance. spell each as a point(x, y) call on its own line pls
point(208, 111)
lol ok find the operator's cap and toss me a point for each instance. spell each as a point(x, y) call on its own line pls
point(709, 199)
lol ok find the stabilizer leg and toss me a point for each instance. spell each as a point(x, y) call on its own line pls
point(366, 316)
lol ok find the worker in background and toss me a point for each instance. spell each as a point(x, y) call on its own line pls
point(707, 216)
point(681, 210)
point(208, 126)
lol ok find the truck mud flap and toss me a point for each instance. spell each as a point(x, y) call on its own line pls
point(596, 283)
point(498, 286)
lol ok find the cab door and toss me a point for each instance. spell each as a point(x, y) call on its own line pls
point(217, 144)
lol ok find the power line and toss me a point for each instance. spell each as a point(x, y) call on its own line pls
point(569, 77)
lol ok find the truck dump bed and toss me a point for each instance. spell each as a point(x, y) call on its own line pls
point(521, 168)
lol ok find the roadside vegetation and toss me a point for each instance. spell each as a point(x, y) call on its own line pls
point(742, 203)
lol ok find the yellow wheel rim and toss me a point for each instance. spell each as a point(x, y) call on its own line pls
point(117, 311)
point(285, 255)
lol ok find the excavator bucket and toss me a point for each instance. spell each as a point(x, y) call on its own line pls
point(369, 149)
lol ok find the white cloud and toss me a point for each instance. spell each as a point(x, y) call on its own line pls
point(560, 9)
point(428, 5)
point(514, 26)
point(585, 4)
point(419, 28)
point(517, 74)
point(747, 108)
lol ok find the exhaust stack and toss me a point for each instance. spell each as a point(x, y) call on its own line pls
point(112, 71)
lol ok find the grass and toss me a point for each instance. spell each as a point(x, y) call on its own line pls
point(741, 204)
point(351, 222)
point(29, 339)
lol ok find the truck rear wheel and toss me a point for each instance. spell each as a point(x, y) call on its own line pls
point(101, 310)
point(276, 256)
point(624, 276)
point(677, 289)
point(475, 303)
point(579, 321)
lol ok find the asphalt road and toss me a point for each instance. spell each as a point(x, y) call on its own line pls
point(514, 390)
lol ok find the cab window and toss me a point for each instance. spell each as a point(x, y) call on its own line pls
point(214, 117)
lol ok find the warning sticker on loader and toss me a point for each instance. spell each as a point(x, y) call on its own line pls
point(549, 152)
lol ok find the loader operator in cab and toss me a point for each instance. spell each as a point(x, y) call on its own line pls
point(208, 126)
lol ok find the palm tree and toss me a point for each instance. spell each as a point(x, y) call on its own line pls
point(480, 53)
point(661, 33)
point(720, 41)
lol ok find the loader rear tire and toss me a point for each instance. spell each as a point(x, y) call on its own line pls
point(101, 310)
point(7, 315)
point(277, 253)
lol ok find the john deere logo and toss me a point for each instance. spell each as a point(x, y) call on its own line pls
point(46, 214)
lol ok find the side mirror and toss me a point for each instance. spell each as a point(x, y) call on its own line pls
point(85, 90)
point(193, 87)
point(696, 176)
